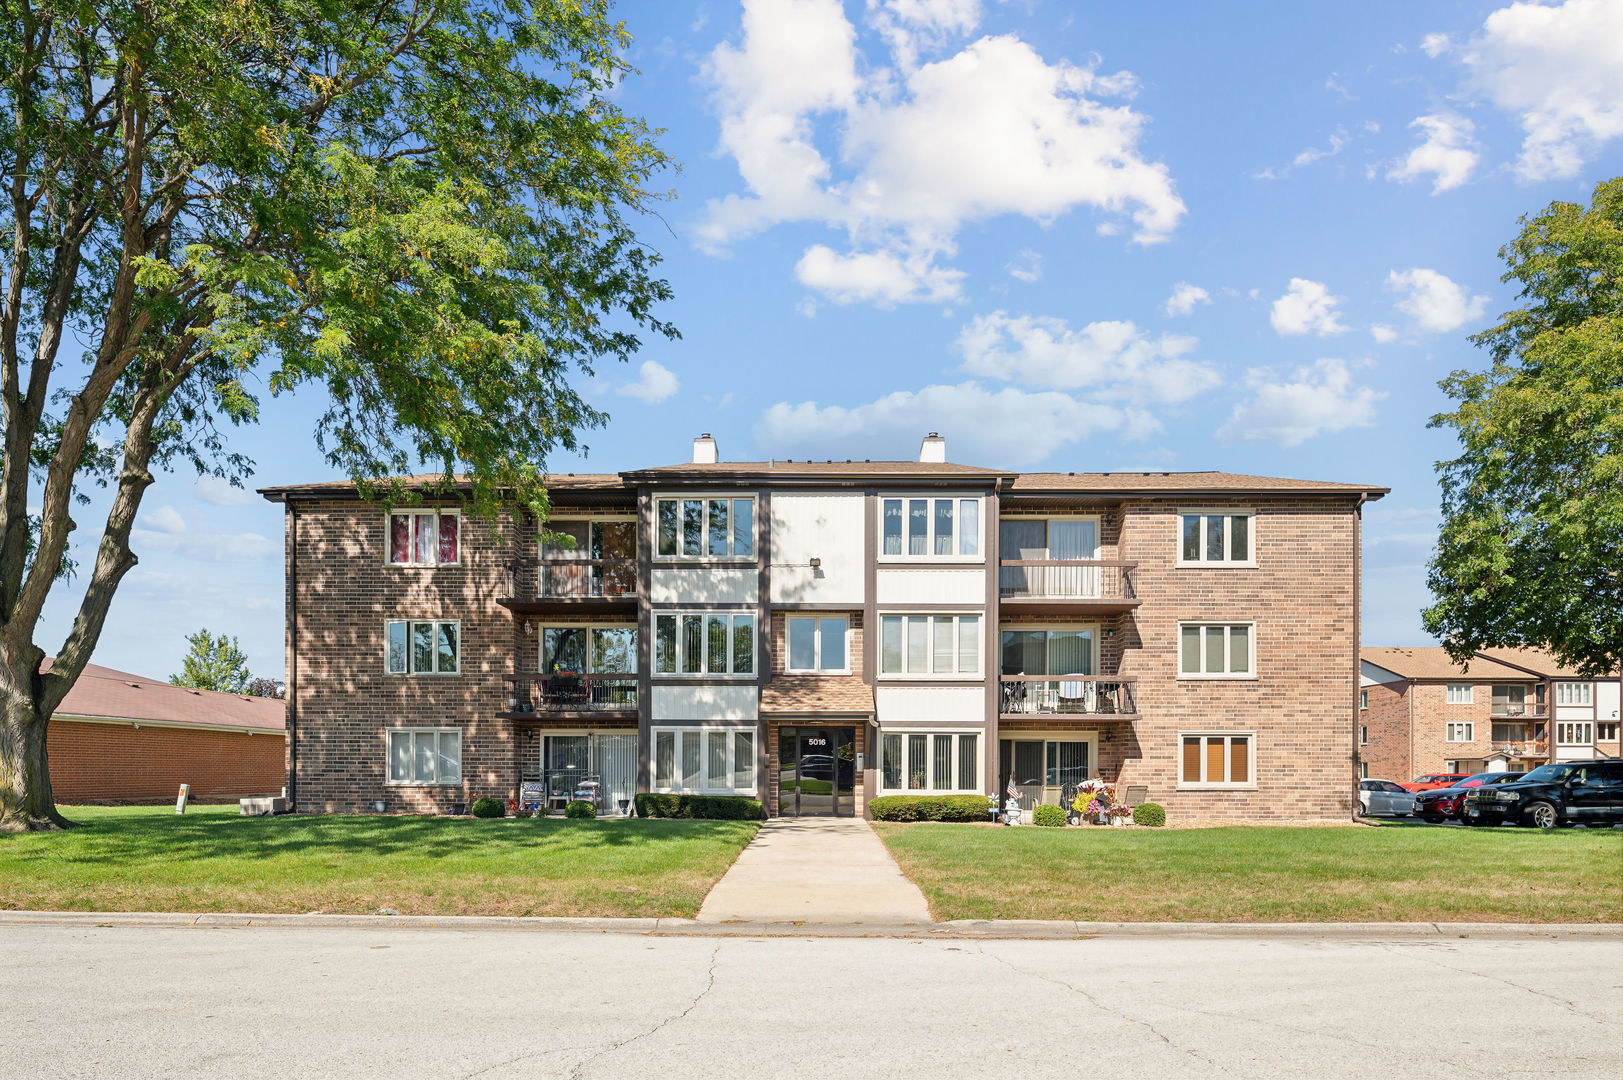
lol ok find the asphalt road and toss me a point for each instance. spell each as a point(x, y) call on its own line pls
point(271, 1003)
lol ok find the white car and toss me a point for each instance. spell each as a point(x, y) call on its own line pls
point(1385, 797)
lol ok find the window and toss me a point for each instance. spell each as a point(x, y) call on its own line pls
point(818, 645)
point(1606, 732)
point(1047, 652)
point(425, 756)
point(1509, 732)
point(930, 761)
point(1216, 652)
point(423, 648)
point(930, 528)
point(712, 643)
point(1363, 734)
point(709, 760)
point(1363, 770)
point(424, 537)
point(1217, 760)
point(1509, 700)
point(1574, 693)
point(1570, 733)
point(1216, 538)
point(930, 644)
point(1461, 732)
point(575, 650)
point(1363, 699)
point(1459, 694)
point(705, 528)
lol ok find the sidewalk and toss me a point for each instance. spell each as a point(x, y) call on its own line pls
point(815, 870)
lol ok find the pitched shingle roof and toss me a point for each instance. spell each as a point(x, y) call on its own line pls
point(806, 695)
point(1179, 483)
point(1433, 662)
point(345, 489)
point(118, 695)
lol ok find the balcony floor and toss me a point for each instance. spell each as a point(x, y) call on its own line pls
point(1067, 605)
point(571, 605)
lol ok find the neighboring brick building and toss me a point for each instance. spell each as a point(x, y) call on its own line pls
point(820, 633)
point(122, 738)
point(1426, 714)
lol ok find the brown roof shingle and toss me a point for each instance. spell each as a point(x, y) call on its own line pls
point(1180, 483)
point(1433, 662)
point(803, 695)
point(119, 695)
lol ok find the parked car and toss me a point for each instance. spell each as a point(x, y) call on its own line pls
point(1561, 793)
point(1445, 804)
point(1384, 797)
point(1435, 780)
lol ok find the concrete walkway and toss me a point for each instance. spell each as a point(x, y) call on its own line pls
point(815, 870)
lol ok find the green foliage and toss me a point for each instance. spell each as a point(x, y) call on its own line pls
point(929, 808)
point(488, 808)
point(1531, 547)
point(580, 808)
point(1048, 815)
point(712, 807)
point(215, 663)
point(1152, 814)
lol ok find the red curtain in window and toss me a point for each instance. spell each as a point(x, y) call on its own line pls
point(400, 538)
point(448, 537)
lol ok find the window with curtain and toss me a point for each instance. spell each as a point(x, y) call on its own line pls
point(708, 643)
point(1219, 759)
point(704, 528)
point(425, 755)
point(930, 528)
point(1215, 538)
point(929, 761)
point(424, 537)
point(719, 760)
point(423, 648)
point(1207, 651)
point(1040, 539)
point(930, 644)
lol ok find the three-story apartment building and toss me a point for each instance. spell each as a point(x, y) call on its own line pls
point(818, 633)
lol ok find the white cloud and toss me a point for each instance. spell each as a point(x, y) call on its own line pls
point(917, 153)
point(165, 519)
point(1028, 268)
point(1315, 400)
point(885, 278)
point(1306, 308)
point(1336, 143)
point(1559, 70)
point(1010, 426)
point(1112, 360)
point(910, 27)
point(1435, 45)
point(208, 547)
point(1447, 152)
point(1436, 303)
point(1184, 298)
point(217, 491)
point(1383, 334)
point(655, 382)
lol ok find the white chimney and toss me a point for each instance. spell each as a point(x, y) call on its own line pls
point(934, 448)
point(704, 450)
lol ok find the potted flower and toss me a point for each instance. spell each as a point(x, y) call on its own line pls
point(1092, 800)
point(1120, 813)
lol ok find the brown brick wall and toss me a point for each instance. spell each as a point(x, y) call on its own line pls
point(1431, 716)
point(118, 763)
point(1387, 752)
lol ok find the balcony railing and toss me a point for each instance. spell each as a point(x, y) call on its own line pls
point(567, 578)
point(1066, 579)
point(556, 695)
point(1516, 708)
point(1525, 748)
point(1079, 695)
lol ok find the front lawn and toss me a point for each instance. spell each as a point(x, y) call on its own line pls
point(148, 859)
point(1263, 874)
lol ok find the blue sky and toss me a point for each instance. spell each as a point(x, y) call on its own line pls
point(1168, 236)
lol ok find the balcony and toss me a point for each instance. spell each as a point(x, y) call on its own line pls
point(565, 586)
point(1524, 748)
point(569, 697)
point(1517, 708)
point(1066, 586)
point(1021, 696)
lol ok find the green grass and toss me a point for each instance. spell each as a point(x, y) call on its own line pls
point(1262, 874)
point(148, 859)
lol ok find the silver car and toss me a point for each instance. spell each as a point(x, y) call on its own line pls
point(1385, 797)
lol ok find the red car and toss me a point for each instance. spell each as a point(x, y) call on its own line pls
point(1435, 780)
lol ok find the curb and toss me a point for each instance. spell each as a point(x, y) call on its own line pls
point(966, 929)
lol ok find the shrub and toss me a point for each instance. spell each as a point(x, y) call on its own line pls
point(488, 808)
point(580, 808)
point(1050, 816)
point(711, 807)
point(1149, 814)
point(929, 808)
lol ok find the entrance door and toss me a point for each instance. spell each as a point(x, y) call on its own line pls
point(816, 772)
point(1043, 770)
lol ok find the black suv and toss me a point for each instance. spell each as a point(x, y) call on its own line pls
point(1565, 793)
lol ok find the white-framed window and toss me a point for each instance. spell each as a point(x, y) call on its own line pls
point(1363, 770)
point(933, 761)
point(423, 647)
point(1574, 733)
point(704, 643)
point(929, 527)
point(1574, 693)
point(1217, 651)
point(818, 644)
point(1363, 734)
point(705, 527)
point(1216, 538)
point(930, 645)
point(1363, 699)
point(580, 649)
point(1458, 693)
point(1217, 759)
point(1606, 732)
point(1461, 731)
point(424, 537)
point(425, 755)
point(704, 761)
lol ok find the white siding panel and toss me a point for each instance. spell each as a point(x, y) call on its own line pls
point(946, 585)
point(953, 705)
point(733, 586)
point(827, 527)
point(706, 703)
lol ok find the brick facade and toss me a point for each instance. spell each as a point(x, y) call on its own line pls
point(94, 762)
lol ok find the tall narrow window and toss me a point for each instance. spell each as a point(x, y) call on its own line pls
point(890, 659)
point(692, 527)
point(918, 526)
point(692, 644)
point(893, 763)
point(968, 762)
point(893, 527)
point(941, 766)
point(719, 533)
point(943, 527)
point(743, 528)
point(670, 526)
point(665, 643)
point(743, 759)
point(743, 644)
point(916, 764)
point(969, 526)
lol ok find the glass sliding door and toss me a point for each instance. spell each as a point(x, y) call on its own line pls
point(1042, 539)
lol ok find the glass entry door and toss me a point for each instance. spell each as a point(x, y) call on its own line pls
point(1043, 770)
point(816, 772)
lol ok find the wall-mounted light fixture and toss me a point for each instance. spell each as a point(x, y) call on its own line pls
point(529, 628)
point(817, 564)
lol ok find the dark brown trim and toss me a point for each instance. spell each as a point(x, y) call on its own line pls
point(870, 638)
point(706, 564)
point(925, 562)
point(645, 639)
point(293, 659)
point(854, 608)
point(991, 644)
point(975, 683)
point(670, 607)
point(667, 679)
point(908, 609)
point(763, 630)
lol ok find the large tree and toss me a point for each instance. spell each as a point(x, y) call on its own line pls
point(216, 663)
point(1531, 549)
point(424, 209)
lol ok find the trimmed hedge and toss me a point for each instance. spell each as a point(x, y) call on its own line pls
point(711, 807)
point(1051, 816)
point(929, 808)
point(488, 808)
point(1149, 813)
point(580, 808)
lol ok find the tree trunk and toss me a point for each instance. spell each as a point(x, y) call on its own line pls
point(25, 778)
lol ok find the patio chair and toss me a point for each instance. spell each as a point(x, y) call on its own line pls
point(1137, 794)
point(1075, 695)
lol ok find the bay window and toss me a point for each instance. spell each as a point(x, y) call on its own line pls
point(704, 643)
point(930, 644)
point(716, 761)
point(705, 528)
point(424, 537)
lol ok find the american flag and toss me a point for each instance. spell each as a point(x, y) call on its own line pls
point(1011, 791)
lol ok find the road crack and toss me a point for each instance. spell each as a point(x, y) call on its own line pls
point(1570, 1006)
